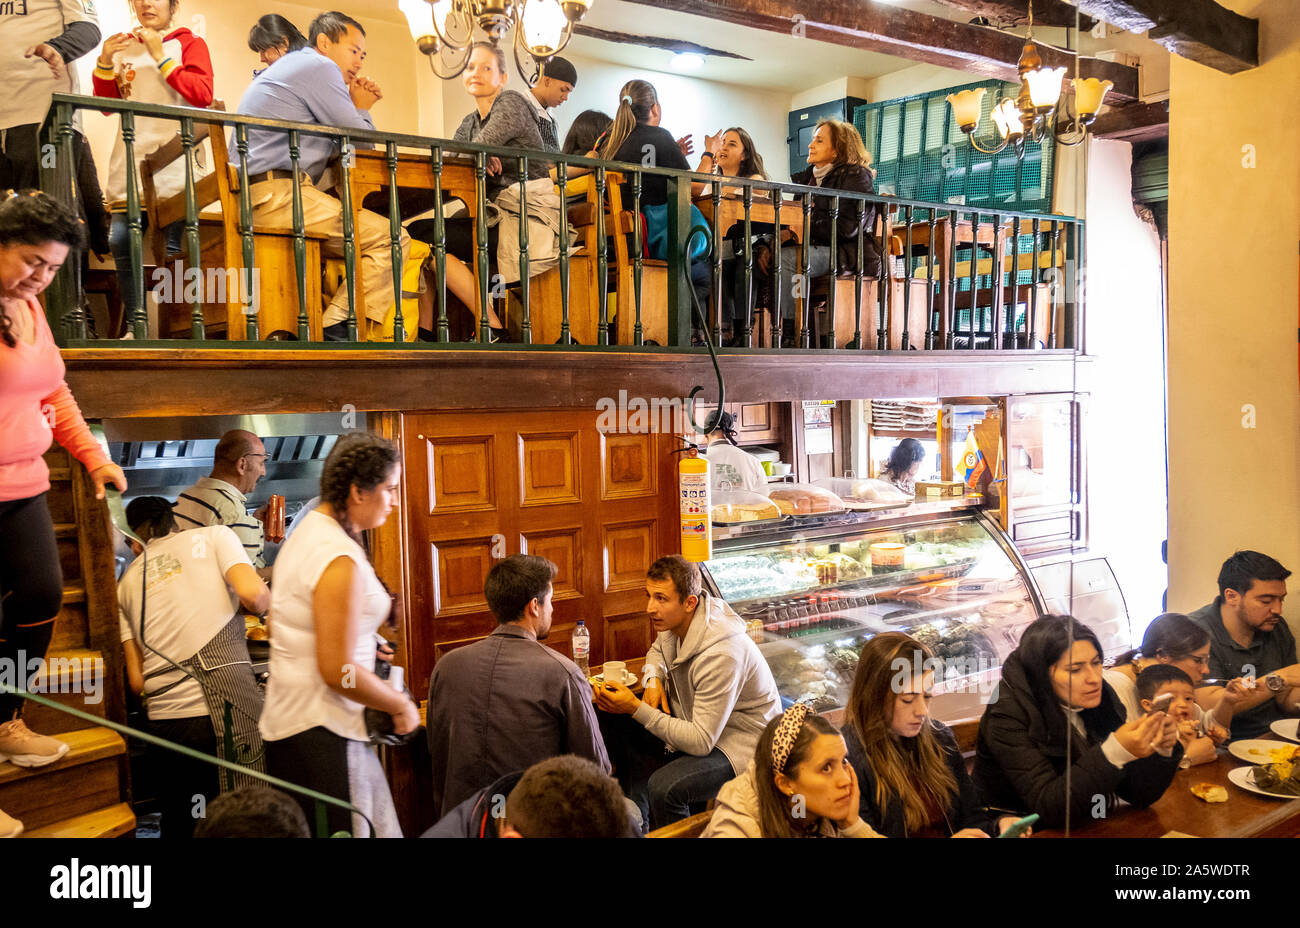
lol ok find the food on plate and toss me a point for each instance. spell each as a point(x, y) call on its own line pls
point(745, 512)
point(803, 500)
point(1278, 777)
point(1209, 792)
point(258, 633)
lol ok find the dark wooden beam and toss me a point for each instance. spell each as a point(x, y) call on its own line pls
point(1137, 122)
point(673, 45)
point(903, 33)
point(1016, 12)
point(152, 382)
point(1199, 30)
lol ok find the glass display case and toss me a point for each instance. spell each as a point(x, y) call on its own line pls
point(813, 595)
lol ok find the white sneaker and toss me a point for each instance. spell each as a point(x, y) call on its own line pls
point(10, 827)
point(22, 746)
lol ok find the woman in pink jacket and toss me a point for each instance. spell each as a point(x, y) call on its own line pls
point(36, 234)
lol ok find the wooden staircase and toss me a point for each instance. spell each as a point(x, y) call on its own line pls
point(85, 794)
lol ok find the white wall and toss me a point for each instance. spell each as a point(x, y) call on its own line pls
point(690, 105)
point(391, 60)
point(1127, 498)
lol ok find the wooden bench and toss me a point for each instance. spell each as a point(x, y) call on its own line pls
point(691, 827)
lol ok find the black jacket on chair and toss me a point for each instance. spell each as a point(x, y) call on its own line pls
point(857, 178)
point(1020, 756)
point(964, 810)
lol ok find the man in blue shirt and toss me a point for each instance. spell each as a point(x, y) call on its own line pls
point(321, 84)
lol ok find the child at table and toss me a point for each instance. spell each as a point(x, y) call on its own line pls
point(1197, 731)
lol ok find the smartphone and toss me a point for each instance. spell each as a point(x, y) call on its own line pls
point(1161, 703)
point(1018, 828)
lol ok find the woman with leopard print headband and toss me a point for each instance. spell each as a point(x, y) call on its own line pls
point(800, 785)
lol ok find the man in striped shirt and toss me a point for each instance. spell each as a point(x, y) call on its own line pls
point(221, 498)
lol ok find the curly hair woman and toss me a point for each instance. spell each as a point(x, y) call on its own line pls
point(327, 606)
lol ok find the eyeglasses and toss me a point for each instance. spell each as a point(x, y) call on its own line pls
point(254, 454)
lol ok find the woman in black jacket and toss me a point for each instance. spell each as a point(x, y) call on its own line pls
point(912, 777)
point(1052, 689)
point(837, 160)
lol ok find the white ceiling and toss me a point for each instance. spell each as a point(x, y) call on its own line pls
point(779, 62)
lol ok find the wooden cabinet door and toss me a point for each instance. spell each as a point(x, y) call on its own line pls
point(481, 486)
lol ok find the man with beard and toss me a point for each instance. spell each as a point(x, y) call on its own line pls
point(504, 703)
point(1249, 638)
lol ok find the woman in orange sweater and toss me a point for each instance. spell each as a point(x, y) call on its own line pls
point(36, 234)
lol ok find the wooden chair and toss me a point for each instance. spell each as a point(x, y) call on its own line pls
point(621, 223)
point(691, 827)
point(221, 250)
point(546, 307)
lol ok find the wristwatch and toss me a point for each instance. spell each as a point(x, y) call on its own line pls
point(1275, 683)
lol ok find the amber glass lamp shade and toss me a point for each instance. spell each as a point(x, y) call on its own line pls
point(966, 107)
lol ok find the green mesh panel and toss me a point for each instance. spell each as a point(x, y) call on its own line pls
point(907, 138)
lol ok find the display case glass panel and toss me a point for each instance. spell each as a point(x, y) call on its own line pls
point(812, 603)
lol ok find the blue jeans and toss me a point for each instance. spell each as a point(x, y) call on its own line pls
point(119, 244)
point(663, 785)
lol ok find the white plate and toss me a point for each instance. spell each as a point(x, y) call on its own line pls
point(629, 678)
point(1286, 728)
point(1254, 751)
point(1245, 778)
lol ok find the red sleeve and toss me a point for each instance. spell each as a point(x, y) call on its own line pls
point(193, 79)
point(70, 429)
point(105, 87)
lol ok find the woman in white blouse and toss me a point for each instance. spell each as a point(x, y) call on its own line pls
point(327, 605)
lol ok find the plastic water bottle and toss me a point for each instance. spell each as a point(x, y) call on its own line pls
point(581, 647)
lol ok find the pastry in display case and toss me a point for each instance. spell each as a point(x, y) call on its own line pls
point(949, 578)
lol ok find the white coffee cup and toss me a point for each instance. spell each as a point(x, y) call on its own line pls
point(615, 672)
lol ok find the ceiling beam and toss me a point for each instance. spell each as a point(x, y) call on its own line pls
point(1016, 12)
point(1199, 30)
point(900, 32)
point(1137, 122)
point(678, 46)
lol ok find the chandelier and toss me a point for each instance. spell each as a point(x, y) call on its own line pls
point(444, 29)
point(1039, 110)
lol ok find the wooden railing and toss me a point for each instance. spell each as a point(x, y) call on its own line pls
point(953, 277)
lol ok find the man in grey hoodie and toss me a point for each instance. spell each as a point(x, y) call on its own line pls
point(708, 695)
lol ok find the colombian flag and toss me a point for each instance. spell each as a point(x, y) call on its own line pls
point(973, 460)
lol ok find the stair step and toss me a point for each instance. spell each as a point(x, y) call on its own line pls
point(71, 628)
point(87, 778)
point(85, 746)
point(50, 721)
point(108, 822)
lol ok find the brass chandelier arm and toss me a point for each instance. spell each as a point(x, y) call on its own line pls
point(464, 61)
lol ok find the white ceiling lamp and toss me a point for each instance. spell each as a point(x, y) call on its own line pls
point(686, 62)
point(1040, 110)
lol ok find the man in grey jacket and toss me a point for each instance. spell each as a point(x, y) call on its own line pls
point(504, 703)
point(708, 695)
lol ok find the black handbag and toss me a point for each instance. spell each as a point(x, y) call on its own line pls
point(379, 725)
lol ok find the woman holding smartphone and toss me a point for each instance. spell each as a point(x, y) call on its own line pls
point(1052, 695)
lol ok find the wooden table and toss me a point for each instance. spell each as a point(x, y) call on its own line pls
point(370, 174)
point(1244, 815)
point(731, 210)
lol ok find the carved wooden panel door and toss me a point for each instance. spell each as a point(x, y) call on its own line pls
point(484, 485)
